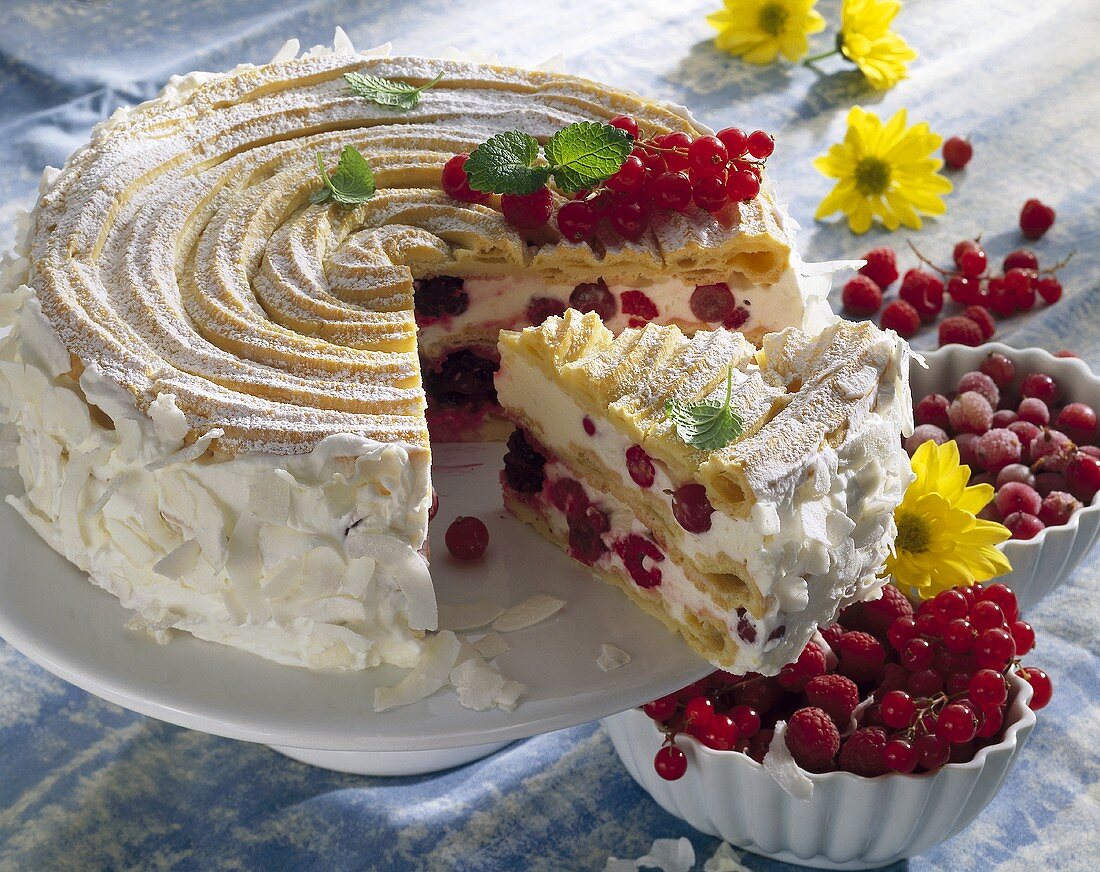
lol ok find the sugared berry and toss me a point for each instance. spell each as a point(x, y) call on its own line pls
point(1016, 497)
point(999, 368)
point(924, 433)
point(1057, 508)
point(1033, 411)
point(983, 384)
point(932, 409)
point(970, 412)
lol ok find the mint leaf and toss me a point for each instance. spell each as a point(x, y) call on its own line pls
point(387, 92)
point(352, 183)
point(584, 154)
point(707, 426)
point(504, 164)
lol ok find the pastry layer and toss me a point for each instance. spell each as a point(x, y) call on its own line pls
point(811, 530)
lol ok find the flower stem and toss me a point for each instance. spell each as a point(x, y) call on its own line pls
point(817, 57)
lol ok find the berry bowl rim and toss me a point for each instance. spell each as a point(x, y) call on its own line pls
point(1018, 716)
point(1074, 368)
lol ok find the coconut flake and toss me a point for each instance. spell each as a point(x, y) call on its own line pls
point(669, 855)
point(438, 656)
point(781, 766)
point(725, 859)
point(491, 645)
point(611, 657)
point(288, 51)
point(480, 686)
point(531, 611)
point(831, 659)
point(468, 616)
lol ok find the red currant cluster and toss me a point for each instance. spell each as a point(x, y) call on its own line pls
point(932, 684)
point(671, 171)
point(980, 293)
point(1015, 434)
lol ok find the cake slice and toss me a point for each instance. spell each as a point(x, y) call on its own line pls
point(743, 547)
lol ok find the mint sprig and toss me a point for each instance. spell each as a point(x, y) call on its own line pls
point(352, 183)
point(388, 92)
point(708, 425)
point(577, 157)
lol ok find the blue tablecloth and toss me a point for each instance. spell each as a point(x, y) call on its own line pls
point(86, 785)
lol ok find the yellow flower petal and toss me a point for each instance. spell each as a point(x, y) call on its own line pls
point(910, 187)
point(937, 519)
point(760, 30)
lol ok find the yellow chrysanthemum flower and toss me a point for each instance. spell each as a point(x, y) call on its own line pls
point(867, 41)
point(885, 170)
point(759, 30)
point(940, 542)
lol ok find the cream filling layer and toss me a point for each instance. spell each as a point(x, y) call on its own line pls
point(798, 299)
point(813, 545)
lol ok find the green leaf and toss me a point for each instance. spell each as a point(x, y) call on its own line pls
point(352, 183)
point(504, 164)
point(387, 92)
point(709, 425)
point(584, 154)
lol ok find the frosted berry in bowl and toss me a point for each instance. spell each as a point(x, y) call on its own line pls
point(888, 735)
point(1025, 422)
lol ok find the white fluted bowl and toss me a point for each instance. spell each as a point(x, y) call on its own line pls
point(850, 823)
point(1038, 565)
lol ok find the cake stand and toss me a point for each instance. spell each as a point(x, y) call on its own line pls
point(51, 613)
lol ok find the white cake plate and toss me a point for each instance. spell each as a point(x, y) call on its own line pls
point(52, 614)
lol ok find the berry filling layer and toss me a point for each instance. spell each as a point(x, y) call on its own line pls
point(601, 532)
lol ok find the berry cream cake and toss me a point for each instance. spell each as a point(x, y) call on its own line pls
point(214, 383)
point(746, 540)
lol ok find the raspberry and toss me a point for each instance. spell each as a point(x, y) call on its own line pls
point(932, 409)
point(879, 614)
point(810, 664)
point(964, 290)
point(831, 634)
point(900, 317)
point(983, 384)
point(813, 739)
point(861, 296)
point(1057, 508)
point(836, 695)
point(881, 266)
point(861, 656)
point(1036, 218)
point(1023, 526)
point(632, 551)
point(996, 449)
point(957, 152)
point(924, 433)
point(527, 211)
point(980, 315)
point(541, 308)
point(862, 754)
point(970, 412)
point(638, 304)
point(959, 330)
point(923, 291)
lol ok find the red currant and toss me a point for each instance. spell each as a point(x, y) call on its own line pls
point(901, 631)
point(959, 636)
point(699, 711)
point(760, 144)
point(576, 220)
point(629, 219)
point(1023, 634)
point(747, 720)
point(626, 123)
point(987, 688)
point(898, 709)
point(932, 751)
point(720, 733)
point(707, 156)
point(899, 756)
point(742, 185)
point(712, 303)
point(467, 538)
point(1021, 258)
point(994, 649)
point(670, 763)
point(640, 466)
point(691, 508)
point(917, 654)
point(662, 709)
point(527, 211)
point(1041, 686)
point(956, 724)
point(1050, 289)
point(1003, 597)
point(735, 140)
point(970, 258)
point(709, 193)
point(1083, 476)
point(672, 191)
